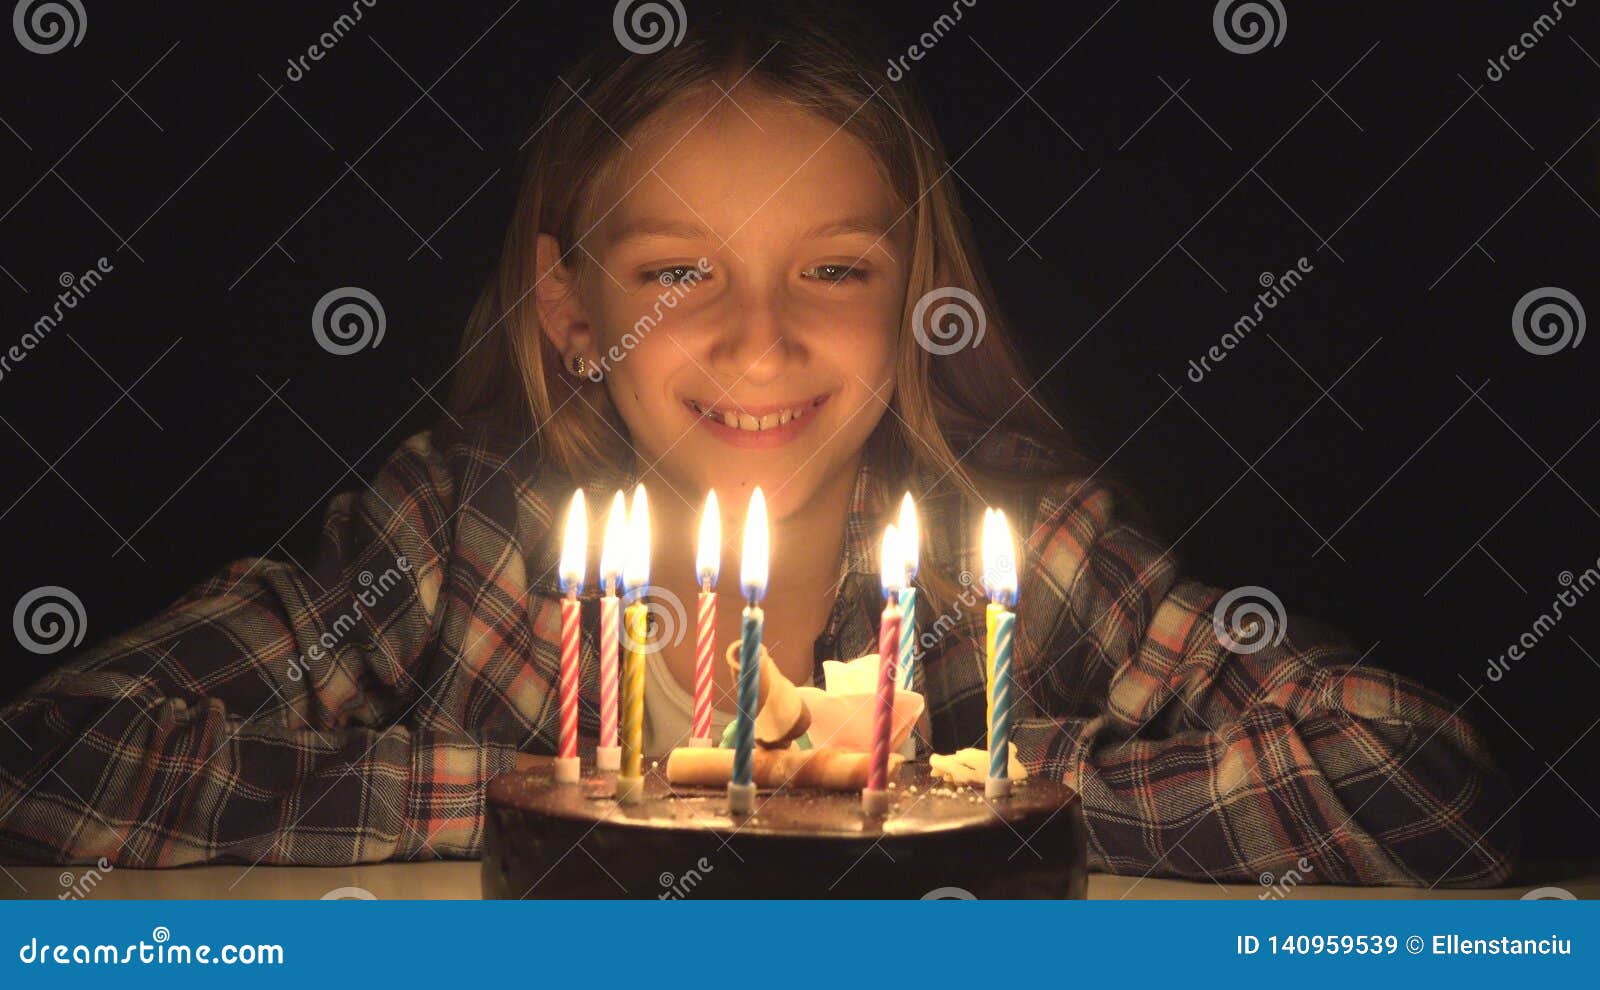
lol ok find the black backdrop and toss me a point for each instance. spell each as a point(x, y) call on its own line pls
point(1131, 178)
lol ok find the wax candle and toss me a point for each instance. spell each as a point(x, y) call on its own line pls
point(1000, 581)
point(574, 560)
point(636, 575)
point(910, 543)
point(708, 559)
point(875, 799)
point(752, 584)
point(990, 616)
point(608, 756)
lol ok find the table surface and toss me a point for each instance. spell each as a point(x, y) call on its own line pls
point(458, 880)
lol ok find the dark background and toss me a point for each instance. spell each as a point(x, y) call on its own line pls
point(184, 406)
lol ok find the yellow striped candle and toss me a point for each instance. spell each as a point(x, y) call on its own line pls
point(635, 619)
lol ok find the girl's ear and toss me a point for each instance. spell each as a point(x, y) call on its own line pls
point(561, 312)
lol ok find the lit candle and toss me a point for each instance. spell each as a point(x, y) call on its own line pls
point(910, 542)
point(636, 575)
point(574, 560)
point(752, 584)
point(707, 561)
point(1000, 581)
point(609, 754)
point(875, 799)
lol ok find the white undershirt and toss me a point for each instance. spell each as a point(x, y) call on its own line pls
point(669, 711)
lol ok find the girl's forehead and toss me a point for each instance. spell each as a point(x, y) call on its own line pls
point(723, 165)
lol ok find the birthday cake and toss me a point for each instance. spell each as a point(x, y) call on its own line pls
point(807, 835)
point(549, 840)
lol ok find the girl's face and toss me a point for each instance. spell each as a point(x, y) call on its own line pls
point(744, 296)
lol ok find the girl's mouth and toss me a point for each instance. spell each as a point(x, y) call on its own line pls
point(756, 426)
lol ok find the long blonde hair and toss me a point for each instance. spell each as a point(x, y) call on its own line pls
point(820, 58)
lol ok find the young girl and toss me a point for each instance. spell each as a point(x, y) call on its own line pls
point(732, 263)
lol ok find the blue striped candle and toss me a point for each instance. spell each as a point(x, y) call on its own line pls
point(744, 734)
point(753, 584)
point(1000, 580)
point(1000, 715)
point(908, 635)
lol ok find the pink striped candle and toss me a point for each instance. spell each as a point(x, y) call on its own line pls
point(574, 554)
point(707, 560)
point(875, 799)
point(609, 754)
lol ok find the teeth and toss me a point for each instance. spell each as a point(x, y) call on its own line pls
point(744, 421)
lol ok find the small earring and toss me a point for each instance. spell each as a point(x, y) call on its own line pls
point(578, 365)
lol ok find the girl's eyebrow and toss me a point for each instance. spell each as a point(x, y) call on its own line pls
point(661, 227)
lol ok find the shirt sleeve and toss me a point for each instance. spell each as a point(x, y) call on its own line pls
point(259, 718)
point(1202, 753)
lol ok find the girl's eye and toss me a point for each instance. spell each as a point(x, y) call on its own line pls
point(677, 275)
point(835, 273)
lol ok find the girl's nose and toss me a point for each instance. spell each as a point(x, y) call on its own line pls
point(753, 348)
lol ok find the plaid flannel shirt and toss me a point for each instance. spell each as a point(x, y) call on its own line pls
point(353, 711)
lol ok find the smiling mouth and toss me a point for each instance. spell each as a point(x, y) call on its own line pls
point(757, 420)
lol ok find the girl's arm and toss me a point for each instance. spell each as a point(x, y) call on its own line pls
point(255, 719)
point(1197, 761)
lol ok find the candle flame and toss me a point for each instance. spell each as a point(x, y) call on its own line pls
point(708, 559)
point(614, 548)
point(636, 563)
point(910, 536)
point(753, 560)
point(892, 557)
point(999, 558)
point(575, 546)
